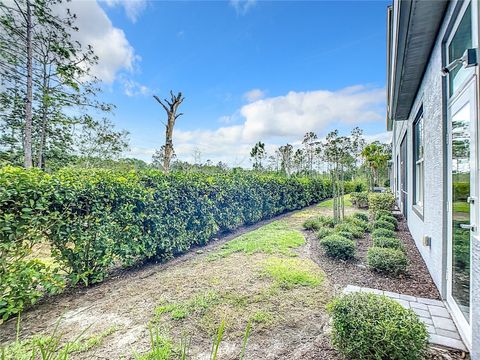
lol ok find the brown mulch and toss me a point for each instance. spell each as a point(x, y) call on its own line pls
point(417, 281)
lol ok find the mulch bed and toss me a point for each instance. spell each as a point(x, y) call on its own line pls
point(417, 281)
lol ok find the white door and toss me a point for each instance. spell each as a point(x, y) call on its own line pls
point(463, 201)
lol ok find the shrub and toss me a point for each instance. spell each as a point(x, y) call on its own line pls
point(381, 213)
point(386, 260)
point(346, 234)
point(338, 247)
point(357, 185)
point(326, 221)
point(312, 224)
point(359, 199)
point(356, 231)
point(383, 233)
point(380, 201)
point(389, 218)
point(361, 216)
point(387, 242)
point(324, 231)
point(369, 326)
point(383, 224)
point(96, 218)
point(357, 222)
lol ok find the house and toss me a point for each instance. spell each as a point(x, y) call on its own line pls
point(433, 102)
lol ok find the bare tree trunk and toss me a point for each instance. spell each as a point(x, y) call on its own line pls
point(27, 141)
point(43, 131)
point(172, 116)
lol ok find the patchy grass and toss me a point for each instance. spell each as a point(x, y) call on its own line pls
point(275, 238)
point(198, 304)
point(262, 317)
point(329, 203)
point(288, 273)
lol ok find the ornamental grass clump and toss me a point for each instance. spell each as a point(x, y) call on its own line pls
point(338, 247)
point(368, 326)
point(385, 260)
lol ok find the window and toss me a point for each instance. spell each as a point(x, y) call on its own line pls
point(419, 168)
point(461, 41)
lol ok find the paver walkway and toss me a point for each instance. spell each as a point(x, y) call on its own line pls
point(433, 313)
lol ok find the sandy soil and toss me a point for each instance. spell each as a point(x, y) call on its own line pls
point(293, 325)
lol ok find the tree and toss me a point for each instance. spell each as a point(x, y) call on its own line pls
point(337, 152)
point(376, 157)
point(258, 154)
point(298, 160)
point(49, 74)
point(310, 143)
point(171, 108)
point(286, 157)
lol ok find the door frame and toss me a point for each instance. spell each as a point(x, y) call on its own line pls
point(467, 94)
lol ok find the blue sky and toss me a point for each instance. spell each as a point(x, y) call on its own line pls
point(250, 70)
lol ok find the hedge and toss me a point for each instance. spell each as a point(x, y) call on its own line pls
point(94, 219)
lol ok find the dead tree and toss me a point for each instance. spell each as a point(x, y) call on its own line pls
point(171, 108)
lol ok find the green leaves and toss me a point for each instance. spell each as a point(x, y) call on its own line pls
point(93, 220)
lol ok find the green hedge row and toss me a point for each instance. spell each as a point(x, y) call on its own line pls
point(94, 219)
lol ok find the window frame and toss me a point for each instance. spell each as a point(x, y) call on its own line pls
point(418, 164)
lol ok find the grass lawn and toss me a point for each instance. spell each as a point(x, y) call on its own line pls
point(329, 203)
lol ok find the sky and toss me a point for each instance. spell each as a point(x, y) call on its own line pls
point(249, 70)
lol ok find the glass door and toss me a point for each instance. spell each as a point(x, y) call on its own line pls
point(463, 204)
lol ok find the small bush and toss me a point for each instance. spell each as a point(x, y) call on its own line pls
point(357, 222)
point(361, 216)
point(382, 224)
point(380, 201)
point(312, 224)
point(324, 231)
point(369, 326)
point(338, 247)
point(383, 233)
point(356, 231)
point(346, 234)
point(381, 213)
point(359, 199)
point(386, 260)
point(387, 242)
point(326, 221)
point(391, 219)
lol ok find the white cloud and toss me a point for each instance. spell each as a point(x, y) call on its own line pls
point(133, 8)
point(133, 88)
point(109, 43)
point(253, 95)
point(384, 137)
point(284, 119)
point(242, 6)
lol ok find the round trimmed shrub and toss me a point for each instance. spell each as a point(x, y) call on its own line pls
point(383, 233)
point(312, 224)
point(324, 231)
point(361, 216)
point(382, 224)
point(326, 221)
point(391, 219)
point(387, 242)
point(358, 223)
point(369, 326)
point(346, 234)
point(338, 247)
point(356, 231)
point(381, 213)
point(387, 260)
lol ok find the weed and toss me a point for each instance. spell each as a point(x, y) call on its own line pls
point(161, 347)
point(262, 317)
point(198, 304)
